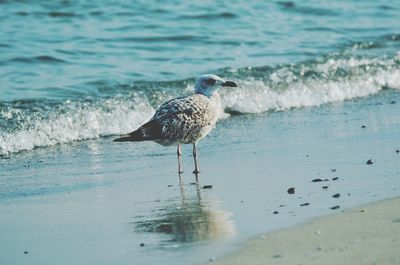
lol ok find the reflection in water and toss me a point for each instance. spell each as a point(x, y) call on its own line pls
point(190, 218)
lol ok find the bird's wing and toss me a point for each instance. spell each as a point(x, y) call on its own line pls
point(176, 118)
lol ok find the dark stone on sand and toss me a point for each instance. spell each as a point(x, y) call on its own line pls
point(370, 162)
point(335, 178)
point(305, 204)
point(398, 151)
point(316, 180)
point(141, 244)
point(275, 212)
point(291, 190)
point(192, 183)
point(207, 187)
point(333, 170)
point(26, 252)
point(169, 185)
point(335, 207)
point(392, 102)
point(337, 195)
point(363, 126)
point(325, 187)
point(277, 256)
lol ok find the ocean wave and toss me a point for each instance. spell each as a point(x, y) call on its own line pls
point(30, 124)
point(312, 84)
point(71, 121)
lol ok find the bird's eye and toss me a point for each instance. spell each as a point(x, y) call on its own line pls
point(210, 82)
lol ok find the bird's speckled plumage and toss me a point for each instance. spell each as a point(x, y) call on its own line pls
point(184, 120)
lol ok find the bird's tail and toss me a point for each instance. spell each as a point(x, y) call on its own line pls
point(132, 137)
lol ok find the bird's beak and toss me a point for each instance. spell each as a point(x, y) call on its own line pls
point(229, 84)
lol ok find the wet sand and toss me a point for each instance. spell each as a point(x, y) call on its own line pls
point(364, 235)
point(99, 202)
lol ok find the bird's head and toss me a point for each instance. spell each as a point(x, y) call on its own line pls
point(209, 84)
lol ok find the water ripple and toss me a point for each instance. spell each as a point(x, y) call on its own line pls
point(38, 59)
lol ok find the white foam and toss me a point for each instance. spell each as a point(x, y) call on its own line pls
point(284, 90)
point(77, 121)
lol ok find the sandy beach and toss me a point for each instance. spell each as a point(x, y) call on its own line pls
point(364, 235)
point(99, 202)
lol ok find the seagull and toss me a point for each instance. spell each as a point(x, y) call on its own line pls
point(184, 120)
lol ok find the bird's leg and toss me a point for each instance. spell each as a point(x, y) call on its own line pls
point(179, 153)
point(196, 169)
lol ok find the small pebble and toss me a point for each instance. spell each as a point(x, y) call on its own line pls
point(242, 201)
point(363, 126)
point(291, 190)
point(362, 211)
point(26, 252)
point(192, 183)
point(333, 170)
point(392, 102)
point(335, 207)
point(397, 151)
point(316, 180)
point(370, 162)
point(325, 187)
point(170, 185)
point(142, 244)
point(211, 259)
point(335, 178)
point(277, 256)
point(275, 212)
point(337, 195)
point(207, 187)
point(305, 204)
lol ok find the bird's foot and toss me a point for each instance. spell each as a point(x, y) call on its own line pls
point(196, 171)
point(180, 171)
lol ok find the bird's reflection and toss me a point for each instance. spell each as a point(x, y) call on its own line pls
point(190, 218)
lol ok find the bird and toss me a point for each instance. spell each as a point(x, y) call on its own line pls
point(185, 119)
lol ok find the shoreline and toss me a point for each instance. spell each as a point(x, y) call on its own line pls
point(366, 234)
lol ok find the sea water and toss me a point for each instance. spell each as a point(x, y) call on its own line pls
point(317, 96)
point(75, 70)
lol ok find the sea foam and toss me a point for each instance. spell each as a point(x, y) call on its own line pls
point(313, 84)
point(75, 121)
point(260, 89)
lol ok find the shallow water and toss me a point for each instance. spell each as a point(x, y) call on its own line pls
point(73, 74)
